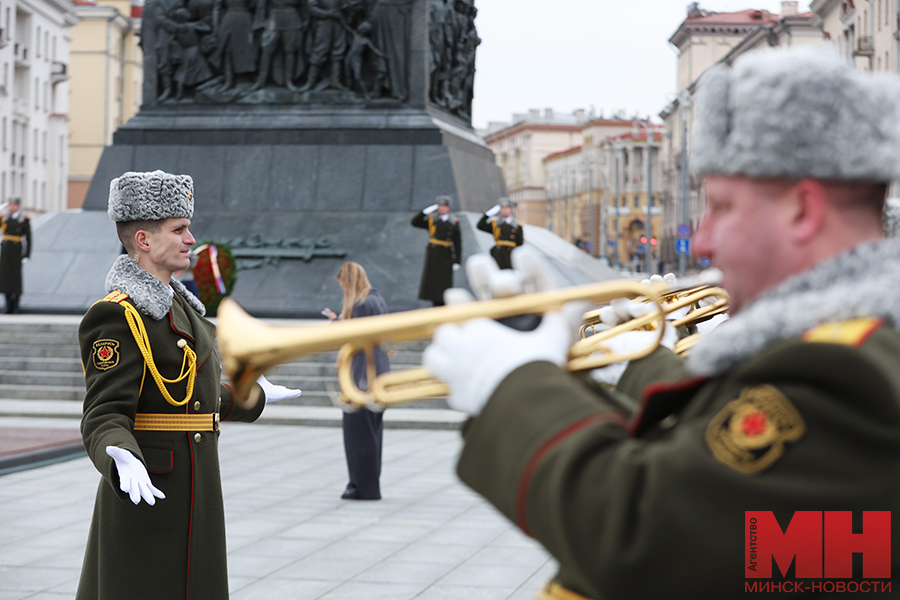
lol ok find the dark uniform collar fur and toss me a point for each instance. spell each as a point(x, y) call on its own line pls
point(862, 282)
point(148, 294)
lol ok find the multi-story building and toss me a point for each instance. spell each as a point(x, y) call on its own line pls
point(107, 79)
point(520, 148)
point(866, 32)
point(34, 57)
point(603, 193)
point(702, 40)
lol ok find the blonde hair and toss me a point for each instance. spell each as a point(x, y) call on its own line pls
point(356, 286)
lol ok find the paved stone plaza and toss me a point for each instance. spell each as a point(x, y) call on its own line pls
point(289, 534)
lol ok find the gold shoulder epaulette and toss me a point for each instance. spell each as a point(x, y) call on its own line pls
point(115, 297)
point(852, 332)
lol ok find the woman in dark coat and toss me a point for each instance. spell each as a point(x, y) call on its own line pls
point(362, 429)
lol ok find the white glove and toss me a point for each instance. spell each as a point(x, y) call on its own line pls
point(710, 324)
point(133, 477)
point(493, 210)
point(25, 260)
point(430, 209)
point(275, 393)
point(455, 267)
point(631, 341)
point(475, 357)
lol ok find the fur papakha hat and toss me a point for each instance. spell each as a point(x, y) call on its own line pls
point(151, 196)
point(796, 114)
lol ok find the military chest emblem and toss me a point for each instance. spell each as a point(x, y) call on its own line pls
point(105, 354)
point(750, 433)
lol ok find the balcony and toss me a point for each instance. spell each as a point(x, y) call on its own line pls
point(21, 53)
point(58, 72)
point(865, 46)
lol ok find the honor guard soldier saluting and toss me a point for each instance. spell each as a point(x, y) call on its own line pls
point(444, 251)
point(152, 409)
point(506, 231)
point(15, 248)
point(791, 408)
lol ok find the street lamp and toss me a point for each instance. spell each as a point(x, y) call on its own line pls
point(649, 132)
point(684, 108)
point(617, 149)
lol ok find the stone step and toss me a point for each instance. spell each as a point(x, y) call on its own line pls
point(50, 350)
point(37, 378)
point(41, 392)
point(38, 338)
point(40, 363)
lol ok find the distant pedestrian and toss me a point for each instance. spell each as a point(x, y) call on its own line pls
point(444, 251)
point(15, 249)
point(506, 231)
point(363, 429)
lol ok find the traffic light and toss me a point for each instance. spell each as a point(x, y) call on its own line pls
point(652, 241)
point(643, 239)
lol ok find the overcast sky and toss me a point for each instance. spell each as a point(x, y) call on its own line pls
point(568, 54)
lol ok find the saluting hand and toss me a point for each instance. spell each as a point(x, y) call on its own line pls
point(430, 209)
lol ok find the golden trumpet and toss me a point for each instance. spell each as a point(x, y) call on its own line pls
point(250, 348)
point(671, 301)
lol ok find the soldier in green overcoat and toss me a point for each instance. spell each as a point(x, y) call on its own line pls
point(444, 251)
point(152, 410)
point(15, 247)
point(789, 413)
point(505, 229)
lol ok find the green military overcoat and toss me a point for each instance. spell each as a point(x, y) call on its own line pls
point(15, 244)
point(443, 250)
point(176, 548)
point(508, 235)
point(651, 503)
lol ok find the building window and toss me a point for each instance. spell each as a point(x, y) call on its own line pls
point(46, 46)
point(53, 48)
point(44, 146)
point(4, 134)
point(37, 92)
point(62, 146)
point(37, 43)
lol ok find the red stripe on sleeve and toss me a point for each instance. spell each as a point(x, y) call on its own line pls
point(544, 450)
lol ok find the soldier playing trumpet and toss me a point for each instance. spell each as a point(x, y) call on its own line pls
point(793, 405)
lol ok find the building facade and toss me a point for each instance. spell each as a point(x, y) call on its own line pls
point(107, 80)
point(604, 193)
point(520, 148)
point(34, 61)
point(865, 32)
point(703, 39)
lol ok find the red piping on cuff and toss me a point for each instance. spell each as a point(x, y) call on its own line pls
point(230, 403)
point(544, 450)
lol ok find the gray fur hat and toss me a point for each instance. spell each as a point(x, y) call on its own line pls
point(150, 196)
point(797, 113)
point(444, 201)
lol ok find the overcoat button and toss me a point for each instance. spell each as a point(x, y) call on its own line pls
point(182, 343)
point(197, 405)
point(197, 437)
